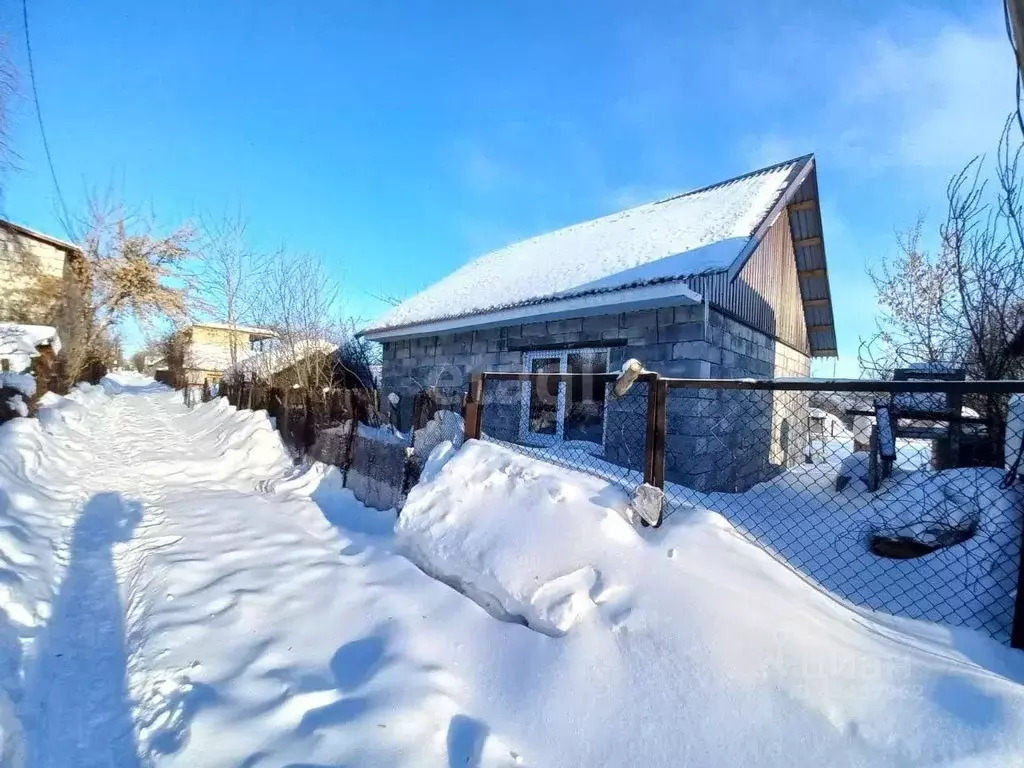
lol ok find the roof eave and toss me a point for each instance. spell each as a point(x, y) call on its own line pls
point(43, 238)
point(624, 299)
point(773, 213)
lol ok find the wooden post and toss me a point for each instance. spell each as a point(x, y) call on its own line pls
point(955, 401)
point(309, 422)
point(475, 407)
point(654, 455)
point(1017, 630)
point(350, 444)
point(274, 407)
point(282, 422)
point(658, 474)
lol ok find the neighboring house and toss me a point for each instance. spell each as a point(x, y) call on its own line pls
point(209, 349)
point(312, 362)
point(42, 276)
point(286, 365)
point(726, 281)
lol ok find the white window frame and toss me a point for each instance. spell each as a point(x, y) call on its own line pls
point(562, 355)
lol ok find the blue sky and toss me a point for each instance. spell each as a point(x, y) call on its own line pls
point(399, 140)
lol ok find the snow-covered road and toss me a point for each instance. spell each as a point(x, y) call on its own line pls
point(207, 612)
point(176, 592)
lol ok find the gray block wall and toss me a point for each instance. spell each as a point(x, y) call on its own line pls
point(716, 439)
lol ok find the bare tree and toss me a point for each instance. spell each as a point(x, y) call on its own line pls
point(130, 272)
point(962, 303)
point(8, 86)
point(171, 346)
point(298, 300)
point(228, 275)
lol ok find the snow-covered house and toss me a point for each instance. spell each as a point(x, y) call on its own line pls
point(725, 281)
point(41, 275)
point(288, 363)
point(209, 349)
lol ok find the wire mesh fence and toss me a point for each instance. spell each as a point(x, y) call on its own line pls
point(573, 422)
point(896, 500)
point(892, 495)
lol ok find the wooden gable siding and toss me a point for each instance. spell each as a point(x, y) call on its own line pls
point(766, 292)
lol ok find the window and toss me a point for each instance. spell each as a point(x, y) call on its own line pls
point(556, 411)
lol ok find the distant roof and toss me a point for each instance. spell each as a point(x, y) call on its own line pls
point(275, 360)
point(264, 332)
point(48, 239)
point(706, 230)
point(28, 337)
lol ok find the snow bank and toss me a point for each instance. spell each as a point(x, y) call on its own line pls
point(688, 645)
point(23, 382)
point(175, 592)
point(53, 471)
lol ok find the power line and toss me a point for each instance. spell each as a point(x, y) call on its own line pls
point(39, 116)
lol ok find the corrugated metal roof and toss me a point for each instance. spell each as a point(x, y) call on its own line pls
point(701, 231)
point(708, 231)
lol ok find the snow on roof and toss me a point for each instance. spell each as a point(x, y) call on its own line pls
point(265, 332)
point(277, 359)
point(693, 233)
point(12, 334)
point(40, 236)
point(20, 343)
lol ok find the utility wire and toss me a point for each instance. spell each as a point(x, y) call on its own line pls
point(65, 222)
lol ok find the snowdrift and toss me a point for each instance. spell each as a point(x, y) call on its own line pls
point(50, 471)
point(175, 592)
point(690, 646)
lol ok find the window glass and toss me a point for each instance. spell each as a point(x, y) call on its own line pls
point(584, 407)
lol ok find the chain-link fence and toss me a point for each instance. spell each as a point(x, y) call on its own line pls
point(571, 421)
point(895, 499)
point(893, 495)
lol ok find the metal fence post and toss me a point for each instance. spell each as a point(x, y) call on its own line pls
point(475, 407)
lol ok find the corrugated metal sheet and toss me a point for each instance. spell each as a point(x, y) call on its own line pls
point(765, 293)
point(783, 288)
